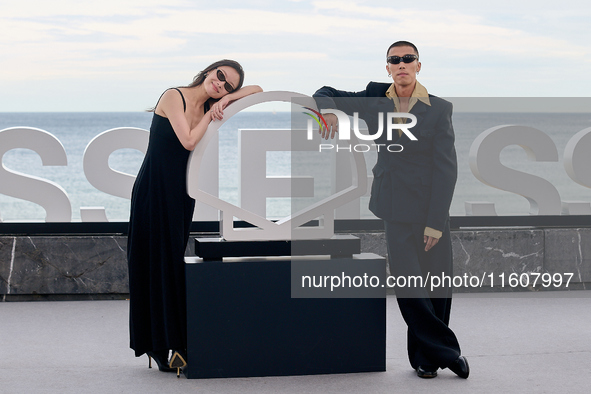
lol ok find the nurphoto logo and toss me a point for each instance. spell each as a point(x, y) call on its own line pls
point(344, 133)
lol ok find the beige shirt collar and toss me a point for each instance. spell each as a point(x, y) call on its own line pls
point(419, 93)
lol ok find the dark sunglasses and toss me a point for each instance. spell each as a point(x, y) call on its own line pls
point(227, 85)
point(404, 59)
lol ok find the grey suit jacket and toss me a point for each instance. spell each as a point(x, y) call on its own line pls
point(415, 185)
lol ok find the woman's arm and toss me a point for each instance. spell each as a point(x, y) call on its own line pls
point(171, 105)
point(217, 109)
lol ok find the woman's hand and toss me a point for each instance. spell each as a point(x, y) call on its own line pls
point(217, 109)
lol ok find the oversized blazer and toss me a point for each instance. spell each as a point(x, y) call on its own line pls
point(414, 185)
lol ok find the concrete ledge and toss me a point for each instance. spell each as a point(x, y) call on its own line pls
point(95, 267)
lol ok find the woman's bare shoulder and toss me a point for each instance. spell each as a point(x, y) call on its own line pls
point(169, 99)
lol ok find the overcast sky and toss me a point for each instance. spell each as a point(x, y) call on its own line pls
point(119, 55)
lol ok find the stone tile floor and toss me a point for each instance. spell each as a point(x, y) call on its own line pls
point(517, 343)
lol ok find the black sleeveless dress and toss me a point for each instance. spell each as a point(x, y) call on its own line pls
point(161, 215)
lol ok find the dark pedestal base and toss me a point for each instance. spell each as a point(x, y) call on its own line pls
point(216, 249)
point(242, 322)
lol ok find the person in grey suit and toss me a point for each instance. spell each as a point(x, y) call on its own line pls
point(414, 181)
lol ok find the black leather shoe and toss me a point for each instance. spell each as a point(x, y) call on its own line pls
point(460, 367)
point(426, 372)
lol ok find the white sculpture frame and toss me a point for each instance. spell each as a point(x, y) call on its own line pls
point(289, 227)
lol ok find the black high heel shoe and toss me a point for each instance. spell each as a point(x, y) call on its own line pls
point(178, 361)
point(161, 358)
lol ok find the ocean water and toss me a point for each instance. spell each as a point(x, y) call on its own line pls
point(76, 130)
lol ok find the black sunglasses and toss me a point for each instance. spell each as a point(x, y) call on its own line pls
point(222, 78)
point(404, 59)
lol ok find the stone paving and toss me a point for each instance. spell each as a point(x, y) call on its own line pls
point(528, 342)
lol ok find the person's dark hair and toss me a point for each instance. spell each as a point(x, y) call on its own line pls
point(200, 77)
point(403, 44)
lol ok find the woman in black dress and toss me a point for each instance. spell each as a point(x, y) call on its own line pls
point(161, 211)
